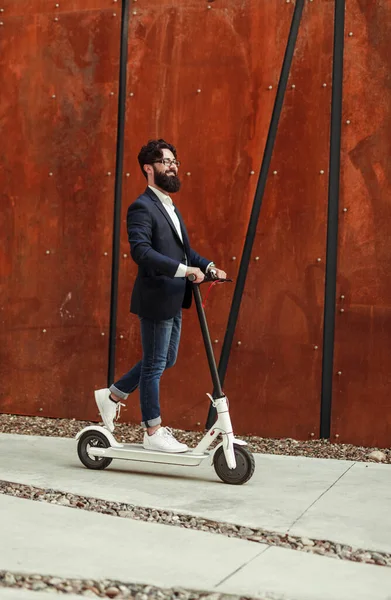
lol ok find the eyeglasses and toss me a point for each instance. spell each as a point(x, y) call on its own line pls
point(167, 162)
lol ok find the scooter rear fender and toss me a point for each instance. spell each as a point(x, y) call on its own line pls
point(110, 438)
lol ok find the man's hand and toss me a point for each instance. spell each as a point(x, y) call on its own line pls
point(197, 272)
point(219, 273)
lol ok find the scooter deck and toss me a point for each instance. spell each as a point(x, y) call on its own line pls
point(138, 453)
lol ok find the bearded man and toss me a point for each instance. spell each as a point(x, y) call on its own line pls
point(160, 246)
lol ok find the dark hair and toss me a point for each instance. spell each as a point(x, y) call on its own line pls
point(153, 151)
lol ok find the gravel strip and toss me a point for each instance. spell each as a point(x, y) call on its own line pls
point(129, 511)
point(105, 588)
point(128, 433)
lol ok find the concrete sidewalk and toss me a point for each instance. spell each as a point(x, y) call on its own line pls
point(342, 501)
point(337, 500)
point(54, 540)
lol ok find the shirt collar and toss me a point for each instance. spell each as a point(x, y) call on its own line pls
point(162, 196)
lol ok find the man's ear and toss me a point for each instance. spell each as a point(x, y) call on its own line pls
point(148, 169)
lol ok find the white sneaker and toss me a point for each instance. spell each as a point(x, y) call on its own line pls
point(109, 410)
point(163, 441)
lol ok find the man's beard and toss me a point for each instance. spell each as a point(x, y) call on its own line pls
point(168, 183)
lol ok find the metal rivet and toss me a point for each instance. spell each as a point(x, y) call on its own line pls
point(316, 347)
point(345, 210)
point(41, 409)
point(131, 94)
point(188, 173)
point(216, 341)
point(53, 95)
point(43, 330)
point(287, 1)
point(324, 84)
point(125, 256)
point(1, 10)
point(321, 172)
point(198, 423)
point(342, 310)
point(342, 297)
point(127, 174)
point(348, 122)
point(293, 86)
point(121, 337)
point(252, 172)
point(337, 435)
point(257, 258)
point(55, 18)
point(198, 91)
point(135, 12)
point(239, 343)
point(102, 333)
point(111, 93)
point(47, 251)
point(339, 372)
point(57, 6)
point(234, 258)
point(275, 172)
point(318, 260)
point(115, 1)
point(108, 172)
point(50, 174)
point(105, 253)
point(209, 7)
point(270, 87)
point(1, 23)
point(350, 33)
point(114, 14)
point(312, 435)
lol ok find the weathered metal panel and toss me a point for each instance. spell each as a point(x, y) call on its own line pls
point(273, 377)
point(58, 110)
point(361, 410)
point(276, 370)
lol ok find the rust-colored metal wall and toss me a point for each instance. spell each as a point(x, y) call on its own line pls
point(203, 75)
point(361, 409)
point(58, 69)
point(210, 95)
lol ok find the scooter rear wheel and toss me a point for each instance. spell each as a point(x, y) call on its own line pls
point(94, 439)
point(245, 465)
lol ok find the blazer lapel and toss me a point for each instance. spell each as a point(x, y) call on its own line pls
point(165, 214)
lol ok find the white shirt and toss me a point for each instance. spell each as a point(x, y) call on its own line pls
point(170, 208)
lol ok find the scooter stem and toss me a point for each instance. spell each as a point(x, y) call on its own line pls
point(207, 342)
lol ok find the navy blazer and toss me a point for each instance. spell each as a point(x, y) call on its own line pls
point(157, 249)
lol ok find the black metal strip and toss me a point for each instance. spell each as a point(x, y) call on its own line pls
point(261, 185)
point(332, 222)
point(118, 189)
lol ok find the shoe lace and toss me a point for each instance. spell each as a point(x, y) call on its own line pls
point(168, 432)
point(118, 410)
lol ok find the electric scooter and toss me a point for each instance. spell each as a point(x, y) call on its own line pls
point(232, 460)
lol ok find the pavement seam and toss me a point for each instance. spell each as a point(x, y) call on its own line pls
point(241, 567)
point(319, 497)
point(185, 521)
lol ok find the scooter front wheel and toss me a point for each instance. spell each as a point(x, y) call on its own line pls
point(245, 465)
point(93, 439)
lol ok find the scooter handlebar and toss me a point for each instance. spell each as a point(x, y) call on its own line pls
point(208, 279)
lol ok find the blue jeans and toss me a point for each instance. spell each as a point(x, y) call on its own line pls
point(160, 342)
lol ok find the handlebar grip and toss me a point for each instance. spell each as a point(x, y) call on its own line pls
point(192, 277)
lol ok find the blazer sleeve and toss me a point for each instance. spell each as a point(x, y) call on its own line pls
point(139, 225)
point(198, 261)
